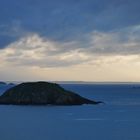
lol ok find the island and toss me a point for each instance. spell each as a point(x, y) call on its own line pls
point(42, 93)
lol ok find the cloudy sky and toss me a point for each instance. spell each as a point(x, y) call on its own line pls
point(76, 40)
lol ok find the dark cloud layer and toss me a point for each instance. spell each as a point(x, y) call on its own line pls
point(65, 20)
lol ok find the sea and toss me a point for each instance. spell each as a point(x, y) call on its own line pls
point(117, 119)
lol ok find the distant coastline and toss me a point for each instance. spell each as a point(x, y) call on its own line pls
point(86, 82)
point(75, 82)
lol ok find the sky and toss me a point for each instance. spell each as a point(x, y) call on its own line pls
point(70, 40)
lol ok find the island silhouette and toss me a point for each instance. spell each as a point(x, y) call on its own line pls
point(42, 93)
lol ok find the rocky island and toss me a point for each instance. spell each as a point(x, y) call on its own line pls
point(42, 93)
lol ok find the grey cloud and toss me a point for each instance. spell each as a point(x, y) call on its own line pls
point(35, 50)
point(120, 42)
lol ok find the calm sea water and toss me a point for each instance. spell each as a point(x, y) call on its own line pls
point(117, 119)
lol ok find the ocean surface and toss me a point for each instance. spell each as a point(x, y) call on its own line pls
point(117, 119)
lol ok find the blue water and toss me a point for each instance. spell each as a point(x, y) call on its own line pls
point(117, 119)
